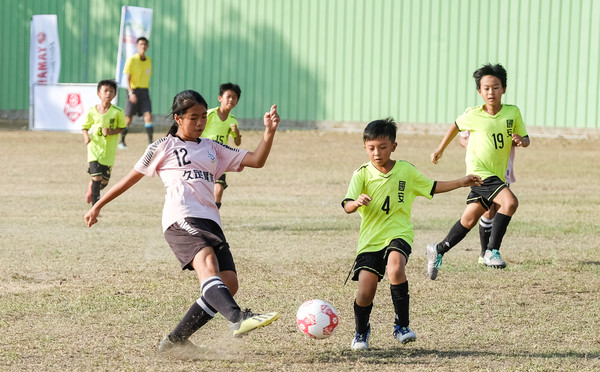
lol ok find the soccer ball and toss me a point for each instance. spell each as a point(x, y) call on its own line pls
point(317, 319)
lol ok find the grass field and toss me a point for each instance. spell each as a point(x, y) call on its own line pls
point(73, 298)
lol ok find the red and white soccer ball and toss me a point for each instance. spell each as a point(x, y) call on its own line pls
point(317, 319)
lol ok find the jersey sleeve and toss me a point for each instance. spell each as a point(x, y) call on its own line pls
point(127, 68)
point(463, 122)
point(89, 120)
point(355, 187)
point(520, 125)
point(229, 158)
point(422, 185)
point(121, 120)
point(151, 160)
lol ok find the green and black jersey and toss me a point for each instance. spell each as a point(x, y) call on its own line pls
point(490, 139)
point(388, 215)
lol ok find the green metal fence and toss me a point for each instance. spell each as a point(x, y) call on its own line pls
point(334, 60)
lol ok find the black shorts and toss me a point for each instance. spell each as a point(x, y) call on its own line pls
point(96, 169)
point(188, 236)
point(376, 262)
point(142, 105)
point(223, 181)
point(486, 193)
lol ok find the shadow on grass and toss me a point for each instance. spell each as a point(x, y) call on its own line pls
point(292, 226)
point(590, 263)
point(413, 355)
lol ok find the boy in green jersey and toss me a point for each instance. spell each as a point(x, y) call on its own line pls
point(220, 124)
point(494, 129)
point(102, 125)
point(382, 191)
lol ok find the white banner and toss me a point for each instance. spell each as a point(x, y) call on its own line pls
point(62, 107)
point(44, 50)
point(135, 22)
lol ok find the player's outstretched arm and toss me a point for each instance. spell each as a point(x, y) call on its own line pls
point(91, 217)
point(450, 134)
point(258, 157)
point(466, 181)
point(352, 205)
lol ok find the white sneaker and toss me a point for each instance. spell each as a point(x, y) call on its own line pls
point(492, 259)
point(122, 146)
point(434, 261)
point(404, 334)
point(361, 340)
point(168, 346)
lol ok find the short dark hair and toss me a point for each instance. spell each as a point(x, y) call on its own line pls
point(111, 83)
point(383, 128)
point(230, 86)
point(141, 38)
point(496, 70)
point(182, 102)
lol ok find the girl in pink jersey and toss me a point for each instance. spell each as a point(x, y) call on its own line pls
point(189, 166)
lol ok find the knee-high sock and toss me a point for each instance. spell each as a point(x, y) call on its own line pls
point(197, 316)
point(455, 235)
point(485, 230)
point(361, 317)
point(124, 133)
point(149, 131)
point(217, 295)
point(96, 186)
point(401, 301)
point(499, 226)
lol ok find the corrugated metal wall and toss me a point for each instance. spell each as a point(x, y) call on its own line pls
point(337, 60)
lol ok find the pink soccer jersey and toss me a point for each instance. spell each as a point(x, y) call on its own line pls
point(189, 170)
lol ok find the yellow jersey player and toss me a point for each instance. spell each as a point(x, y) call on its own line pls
point(221, 124)
point(494, 129)
point(138, 69)
point(383, 191)
point(100, 130)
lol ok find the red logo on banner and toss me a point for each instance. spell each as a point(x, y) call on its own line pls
point(73, 108)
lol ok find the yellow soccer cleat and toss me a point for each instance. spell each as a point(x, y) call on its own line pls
point(251, 321)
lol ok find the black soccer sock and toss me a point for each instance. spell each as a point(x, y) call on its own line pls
point(485, 230)
point(197, 316)
point(218, 205)
point(361, 317)
point(455, 235)
point(499, 226)
point(217, 295)
point(95, 191)
point(401, 300)
point(123, 134)
point(150, 132)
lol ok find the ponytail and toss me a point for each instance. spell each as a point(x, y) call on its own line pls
point(173, 130)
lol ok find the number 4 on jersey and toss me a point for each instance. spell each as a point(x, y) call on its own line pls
point(386, 205)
